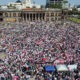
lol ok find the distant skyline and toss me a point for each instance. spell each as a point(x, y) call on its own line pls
point(40, 2)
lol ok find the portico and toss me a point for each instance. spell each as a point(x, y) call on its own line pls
point(33, 15)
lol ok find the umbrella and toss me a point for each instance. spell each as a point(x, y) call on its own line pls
point(49, 68)
point(15, 77)
point(72, 67)
point(59, 61)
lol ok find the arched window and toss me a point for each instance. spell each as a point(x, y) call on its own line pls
point(47, 14)
point(52, 14)
point(10, 14)
point(14, 14)
point(19, 14)
point(6, 14)
point(1, 14)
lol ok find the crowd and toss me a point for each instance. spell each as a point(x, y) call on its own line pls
point(38, 42)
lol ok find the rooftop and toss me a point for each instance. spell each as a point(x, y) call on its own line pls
point(41, 9)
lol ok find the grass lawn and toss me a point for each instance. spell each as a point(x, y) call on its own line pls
point(74, 19)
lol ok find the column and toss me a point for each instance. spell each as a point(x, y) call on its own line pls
point(26, 17)
point(38, 16)
point(22, 16)
point(35, 17)
point(54, 16)
point(32, 16)
point(49, 16)
point(43, 16)
point(29, 16)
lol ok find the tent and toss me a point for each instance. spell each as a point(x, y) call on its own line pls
point(59, 61)
point(61, 67)
point(72, 67)
point(49, 68)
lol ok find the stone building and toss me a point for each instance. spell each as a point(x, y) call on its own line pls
point(10, 15)
point(20, 4)
point(30, 14)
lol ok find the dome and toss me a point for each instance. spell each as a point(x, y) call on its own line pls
point(18, 1)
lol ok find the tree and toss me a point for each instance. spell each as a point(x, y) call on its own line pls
point(58, 5)
point(42, 6)
point(78, 6)
point(34, 7)
point(64, 3)
point(10, 5)
point(14, 7)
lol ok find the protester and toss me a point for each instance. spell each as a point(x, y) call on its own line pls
point(38, 42)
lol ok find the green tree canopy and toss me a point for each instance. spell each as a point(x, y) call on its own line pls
point(58, 5)
point(42, 6)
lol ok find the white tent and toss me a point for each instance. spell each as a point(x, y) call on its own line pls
point(61, 67)
point(59, 61)
point(72, 67)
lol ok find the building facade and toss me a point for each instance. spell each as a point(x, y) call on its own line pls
point(10, 15)
point(21, 4)
point(30, 14)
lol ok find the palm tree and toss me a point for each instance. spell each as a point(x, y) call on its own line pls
point(64, 2)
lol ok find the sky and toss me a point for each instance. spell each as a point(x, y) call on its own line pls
point(41, 2)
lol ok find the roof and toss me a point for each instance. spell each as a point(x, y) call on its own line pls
point(40, 9)
point(9, 10)
point(32, 9)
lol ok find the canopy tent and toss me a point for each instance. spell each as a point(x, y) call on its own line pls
point(59, 61)
point(61, 67)
point(49, 68)
point(72, 67)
